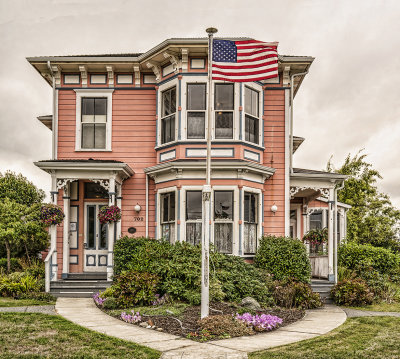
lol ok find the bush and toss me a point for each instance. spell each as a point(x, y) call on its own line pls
point(17, 283)
point(178, 267)
point(224, 325)
point(110, 303)
point(15, 266)
point(296, 295)
point(284, 257)
point(352, 292)
point(46, 297)
point(351, 255)
point(132, 287)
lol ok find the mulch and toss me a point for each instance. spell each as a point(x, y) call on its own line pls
point(189, 321)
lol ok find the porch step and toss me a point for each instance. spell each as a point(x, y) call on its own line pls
point(323, 287)
point(87, 276)
point(77, 288)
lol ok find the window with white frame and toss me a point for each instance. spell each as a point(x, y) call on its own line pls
point(193, 217)
point(93, 122)
point(196, 110)
point(168, 112)
point(223, 221)
point(316, 220)
point(93, 119)
point(224, 107)
point(251, 109)
point(167, 215)
point(250, 222)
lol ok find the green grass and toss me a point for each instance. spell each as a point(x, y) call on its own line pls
point(11, 302)
point(176, 309)
point(380, 307)
point(357, 338)
point(31, 335)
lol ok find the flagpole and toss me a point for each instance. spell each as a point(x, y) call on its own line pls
point(205, 248)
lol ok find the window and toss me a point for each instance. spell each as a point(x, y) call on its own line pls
point(168, 111)
point(251, 109)
point(250, 222)
point(193, 217)
point(224, 102)
point(93, 121)
point(196, 111)
point(316, 220)
point(168, 216)
point(93, 190)
point(223, 221)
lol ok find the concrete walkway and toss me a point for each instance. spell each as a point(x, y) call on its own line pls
point(43, 309)
point(84, 312)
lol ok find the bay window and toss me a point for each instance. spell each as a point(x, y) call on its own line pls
point(193, 217)
point(168, 112)
point(250, 222)
point(196, 110)
point(167, 215)
point(93, 122)
point(224, 106)
point(223, 221)
point(251, 109)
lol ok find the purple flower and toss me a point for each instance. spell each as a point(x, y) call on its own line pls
point(263, 322)
point(131, 318)
point(98, 300)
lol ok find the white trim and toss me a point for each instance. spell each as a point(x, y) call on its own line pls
point(164, 87)
point(80, 93)
point(158, 212)
point(260, 91)
point(287, 169)
point(260, 215)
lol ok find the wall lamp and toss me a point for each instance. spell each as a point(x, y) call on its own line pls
point(137, 207)
point(274, 208)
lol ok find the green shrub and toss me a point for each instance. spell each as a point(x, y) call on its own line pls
point(296, 295)
point(46, 297)
point(110, 303)
point(16, 283)
point(351, 255)
point(179, 268)
point(284, 257)
point(15, 266)
point(132, 287)
point(109, 292)
point(224, 325)
point(352, 292)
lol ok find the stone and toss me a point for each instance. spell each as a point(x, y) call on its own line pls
point(250, 303)
point(159, 329)
point(143, 324)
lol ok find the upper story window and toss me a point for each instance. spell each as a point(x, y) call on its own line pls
point(93, 121)
point(196, 110)
point(224, 107)
point(168, 112)
point(251, 109)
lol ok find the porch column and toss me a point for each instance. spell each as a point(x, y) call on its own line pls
point(51, 259)
point(110, 264)
point(331, 273)
point(119, 204)
point(66, 200)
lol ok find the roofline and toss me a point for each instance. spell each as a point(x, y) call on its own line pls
point(334, 176)
point(71, 165)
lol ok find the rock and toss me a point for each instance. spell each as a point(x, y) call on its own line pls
point(250, 303)
point(159, 329)
point(148, 327)
point(143, 324)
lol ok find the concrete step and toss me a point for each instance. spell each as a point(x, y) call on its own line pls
point(323, 287)
point(80, 283)
point(78, 288)
point(87, 276)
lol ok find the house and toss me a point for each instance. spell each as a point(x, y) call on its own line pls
point(130, 130)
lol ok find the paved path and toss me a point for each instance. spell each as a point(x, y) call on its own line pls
point(84, 312)
point(44, 309)
point(366, 313)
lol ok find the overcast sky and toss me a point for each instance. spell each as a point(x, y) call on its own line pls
point(349, 100)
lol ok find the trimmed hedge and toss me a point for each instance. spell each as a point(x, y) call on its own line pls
point(285, 258)
point(178, 267)
point(352, 255)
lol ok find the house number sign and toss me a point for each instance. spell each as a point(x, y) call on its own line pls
point(138, 219)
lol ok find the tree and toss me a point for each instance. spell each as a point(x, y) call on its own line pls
point(20, 224)
point(372, 219)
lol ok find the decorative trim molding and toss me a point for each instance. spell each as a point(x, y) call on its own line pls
point(155, 68)
point(286, 76)
point(324, 191)
point(185, 59)
point(136, 69)
point(57, 74)
point(84, 74)
point(105, 183)
point(110, 72)
point(62, 183)
point(173, 59)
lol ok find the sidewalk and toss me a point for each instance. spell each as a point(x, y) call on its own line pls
point(84, 312)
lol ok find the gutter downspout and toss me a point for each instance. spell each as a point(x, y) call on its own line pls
point(53, 120)
point(335, 242)
point(291, 118)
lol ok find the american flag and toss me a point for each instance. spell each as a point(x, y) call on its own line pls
point(244, 61)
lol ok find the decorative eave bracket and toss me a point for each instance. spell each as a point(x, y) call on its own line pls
point(57, 74)
point(173, 59)
point(185, 59)
point(83, 71)
point(136, 69)
point(110, 72)
point(286, 76)
point(155, 68)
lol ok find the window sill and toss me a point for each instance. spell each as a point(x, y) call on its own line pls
point(92, 150)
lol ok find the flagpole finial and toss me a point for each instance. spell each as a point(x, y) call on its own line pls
point(211, 30)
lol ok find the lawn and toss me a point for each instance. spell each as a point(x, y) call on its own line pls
point(11, 302)
point(357, 338)
point(380, 307)
point(32, 335)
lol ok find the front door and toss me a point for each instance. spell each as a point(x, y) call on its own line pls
point(96, 240)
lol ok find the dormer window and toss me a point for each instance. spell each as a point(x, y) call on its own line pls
point(251, 109)
point(168, 112)
point(224, 106)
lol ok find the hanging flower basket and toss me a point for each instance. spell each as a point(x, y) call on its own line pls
point(316, 236)
point(108, 214)
point(51, 214)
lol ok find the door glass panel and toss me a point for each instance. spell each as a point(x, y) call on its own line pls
point(103, 235)
point(91, 227)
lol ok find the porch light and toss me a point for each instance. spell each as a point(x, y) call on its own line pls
point(274, 208)
point(138, 208)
